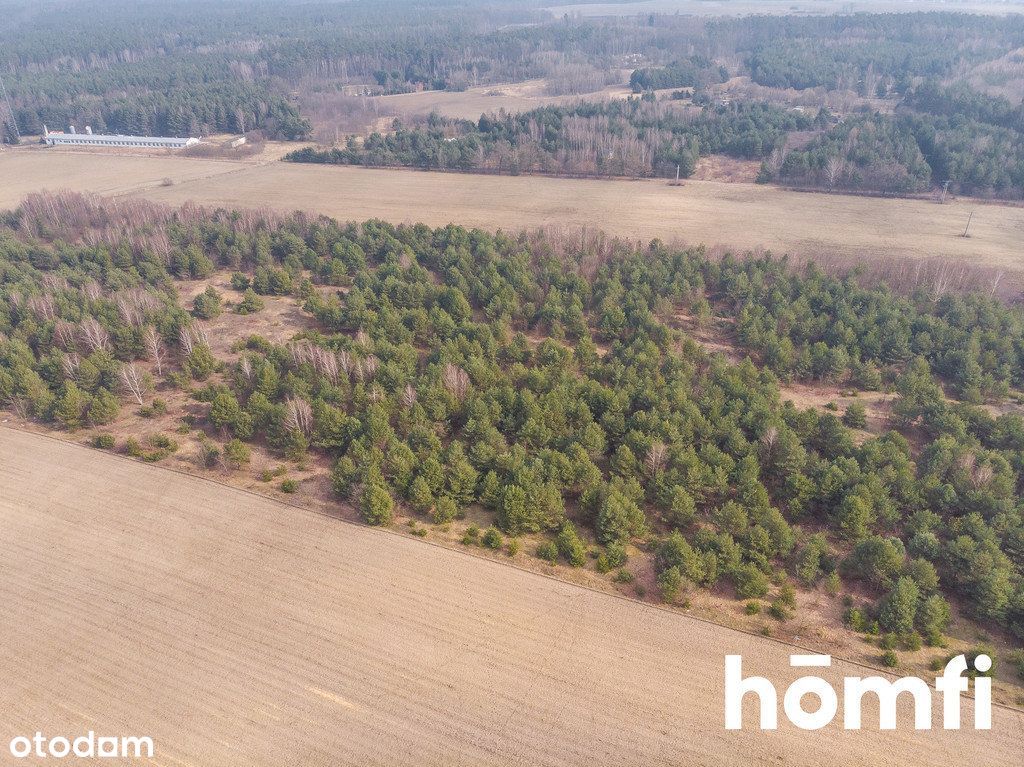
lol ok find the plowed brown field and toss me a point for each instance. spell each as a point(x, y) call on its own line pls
point(235, 630)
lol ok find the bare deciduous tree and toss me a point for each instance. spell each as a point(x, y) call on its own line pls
point(967, 462)
point(298, 415)
point(245, 367)
point(326, 364)
point(455, 379)
point(409, 396)
point(92, 290)
point(301, 353)
point(64, 335)
point(185, 340)
point(345, 362)
point(133, 382)
point(70, 364)
point(773, 164)
point(834, 169)
point(982, 476)
point(53, 282)
point(657, 456)
point(191, 336)
point(133, 306)
point(370, 366)
point(94, 335)
point(995, 280)
point(22, 407)
point(200, 335)
point(154, 347)
point(43, 307)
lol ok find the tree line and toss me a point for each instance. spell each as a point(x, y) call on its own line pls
point(633, 137)
point(939, 134)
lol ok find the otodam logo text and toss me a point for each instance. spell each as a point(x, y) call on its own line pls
point(951, 685)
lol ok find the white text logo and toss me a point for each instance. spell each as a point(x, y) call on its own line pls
point(952, 684)
point(87, 746)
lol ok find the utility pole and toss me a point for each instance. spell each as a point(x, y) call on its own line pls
point(10, 111)
point(968, 224)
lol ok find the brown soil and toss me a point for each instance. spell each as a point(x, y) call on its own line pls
point(234, 630)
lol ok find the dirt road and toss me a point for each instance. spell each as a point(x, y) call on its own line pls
point(234, 630)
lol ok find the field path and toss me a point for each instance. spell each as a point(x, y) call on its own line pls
point(235, 630)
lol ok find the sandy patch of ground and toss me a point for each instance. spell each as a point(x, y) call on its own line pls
point(828, 398)
point(281, 318)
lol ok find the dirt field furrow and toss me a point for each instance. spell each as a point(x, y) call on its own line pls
point(238, 631)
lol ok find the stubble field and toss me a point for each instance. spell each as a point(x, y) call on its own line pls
point(234, 630)
point(734, 215)
point(485, 99)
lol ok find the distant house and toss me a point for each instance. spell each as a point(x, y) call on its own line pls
point(71, 138)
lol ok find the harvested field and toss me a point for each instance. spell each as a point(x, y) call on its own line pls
point(234, 630)
point(734, 215)
point(473, 102)
point(31, 169)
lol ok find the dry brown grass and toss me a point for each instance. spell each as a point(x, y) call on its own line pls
point(238, 631)
point(279, 321)
point(473, 102)
point(717, 167)
point(833, 228)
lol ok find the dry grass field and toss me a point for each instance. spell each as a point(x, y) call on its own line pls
point(235, 630)
point(473, 102)
point(30, 169)
point(733, 215)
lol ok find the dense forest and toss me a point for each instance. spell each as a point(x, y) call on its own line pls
point(635, 137)
point(938, 134)
point(694, 72)
point(551, 389)
point(192, 67)
point(872, 54)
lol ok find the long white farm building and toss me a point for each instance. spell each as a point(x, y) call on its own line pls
point(96, 139)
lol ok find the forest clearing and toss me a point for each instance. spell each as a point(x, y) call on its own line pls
point(484, 99)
